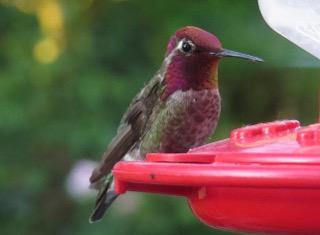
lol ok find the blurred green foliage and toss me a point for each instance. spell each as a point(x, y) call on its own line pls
point(68, 69)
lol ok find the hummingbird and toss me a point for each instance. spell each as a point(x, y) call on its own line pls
point(177, 110)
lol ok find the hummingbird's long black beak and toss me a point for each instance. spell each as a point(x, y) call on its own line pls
point(229, 53)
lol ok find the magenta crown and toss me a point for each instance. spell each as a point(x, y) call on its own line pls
point(199, 37)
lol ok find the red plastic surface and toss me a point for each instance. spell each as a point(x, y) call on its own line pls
point(264, 179)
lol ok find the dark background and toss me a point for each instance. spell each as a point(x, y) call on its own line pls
point(68, 69)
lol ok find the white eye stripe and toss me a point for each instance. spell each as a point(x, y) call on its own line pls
point(180, 44)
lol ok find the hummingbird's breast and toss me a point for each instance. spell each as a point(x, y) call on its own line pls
point(185, 120)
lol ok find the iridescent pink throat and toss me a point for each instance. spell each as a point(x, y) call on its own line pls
point(192, 72)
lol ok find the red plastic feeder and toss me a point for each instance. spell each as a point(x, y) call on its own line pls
point(264, 179)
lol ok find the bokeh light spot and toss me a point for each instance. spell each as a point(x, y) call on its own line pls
point(50, 16)
point(46, 51)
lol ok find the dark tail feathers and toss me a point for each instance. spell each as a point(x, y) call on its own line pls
point(104, 199)
point(103, 202)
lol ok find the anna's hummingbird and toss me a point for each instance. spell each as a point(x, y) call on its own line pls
point(178, 109)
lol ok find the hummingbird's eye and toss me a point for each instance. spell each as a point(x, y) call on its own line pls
point(187, 46)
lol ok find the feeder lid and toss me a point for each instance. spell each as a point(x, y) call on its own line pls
point(263, 179)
